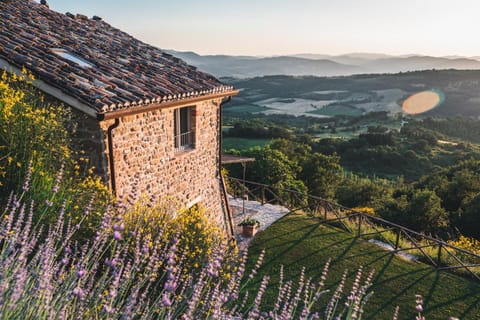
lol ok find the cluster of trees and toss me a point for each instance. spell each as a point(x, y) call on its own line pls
point(292, 165)
point(411, 152)
point(406, 177)
point(275, 125)
point(257, 129)
point(463, 128)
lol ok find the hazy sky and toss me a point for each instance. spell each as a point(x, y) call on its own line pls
point(273, 27)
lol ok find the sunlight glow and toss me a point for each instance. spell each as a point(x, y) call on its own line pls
point(422, 101)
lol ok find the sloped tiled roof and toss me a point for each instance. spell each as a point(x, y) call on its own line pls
point(126, 73)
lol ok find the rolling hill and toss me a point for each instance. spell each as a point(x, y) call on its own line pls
point(320, 65)
point(373, 92)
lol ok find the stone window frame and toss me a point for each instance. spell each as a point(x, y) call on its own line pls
point(184, 128)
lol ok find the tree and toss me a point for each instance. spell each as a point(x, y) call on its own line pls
point(322, 174)
point(360, 193)
point(463, 184)
point(297, 152)
point(418, 209)
point(469, 217)
point(272, 167)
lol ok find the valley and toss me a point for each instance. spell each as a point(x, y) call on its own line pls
point(356, 95)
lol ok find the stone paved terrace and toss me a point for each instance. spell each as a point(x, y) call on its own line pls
point(266, 214)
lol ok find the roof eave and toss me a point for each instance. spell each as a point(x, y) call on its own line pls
point(163, 105)
point(51, 90)
point(101, 116)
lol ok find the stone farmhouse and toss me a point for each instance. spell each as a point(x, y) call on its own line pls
point(150, 123)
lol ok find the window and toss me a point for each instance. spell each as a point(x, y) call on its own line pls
point(184, 128)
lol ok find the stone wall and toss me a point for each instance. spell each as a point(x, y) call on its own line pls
point(146, 163)
point(145, 160)
point(89, 141)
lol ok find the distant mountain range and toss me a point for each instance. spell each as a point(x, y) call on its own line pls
point(321, 65)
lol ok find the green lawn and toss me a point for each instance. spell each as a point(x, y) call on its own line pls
point(242, 143)
point(298, 240)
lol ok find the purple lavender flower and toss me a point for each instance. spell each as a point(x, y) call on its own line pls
point(117, 235)
point(170, 286)
point(111, 263)
point(119, 227)
point(107, 309)
point(395, 314)
point(112, 293)
point(26, 184)
point(257, 265)
point(58, 180)
point(78, 292)
point(88, 208)
point(255, 312)
point(20, 279)
point(81, 273)
point(166, 300)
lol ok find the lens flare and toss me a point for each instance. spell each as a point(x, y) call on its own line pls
point(423, 101)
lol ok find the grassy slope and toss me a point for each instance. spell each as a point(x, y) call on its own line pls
point(297, 241)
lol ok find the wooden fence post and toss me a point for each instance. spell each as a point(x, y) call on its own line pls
point(439, 256)
point(359, 225)
point(397, 240)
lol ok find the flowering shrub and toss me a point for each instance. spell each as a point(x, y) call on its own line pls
point(368, 210)
point(32, 133)
point(195, 234)
point(36, 161)
point(469, 244)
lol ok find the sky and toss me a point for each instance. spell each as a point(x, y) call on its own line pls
point(279, 27)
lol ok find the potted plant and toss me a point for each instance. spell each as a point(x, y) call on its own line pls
point(249, 227)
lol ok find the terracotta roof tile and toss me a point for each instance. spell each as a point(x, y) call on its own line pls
point(125, 72)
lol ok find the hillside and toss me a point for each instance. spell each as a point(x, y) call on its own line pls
point(326, 96)
point(296, 241)
point(320, 65)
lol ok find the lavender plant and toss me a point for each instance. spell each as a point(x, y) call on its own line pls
point(45, 273)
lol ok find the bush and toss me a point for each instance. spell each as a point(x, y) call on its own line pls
point(416, 209)
point(36, 159)
point(197, 236)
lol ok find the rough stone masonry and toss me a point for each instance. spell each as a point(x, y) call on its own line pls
point(146, 163)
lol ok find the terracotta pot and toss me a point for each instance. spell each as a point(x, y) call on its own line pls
point(249, 231)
